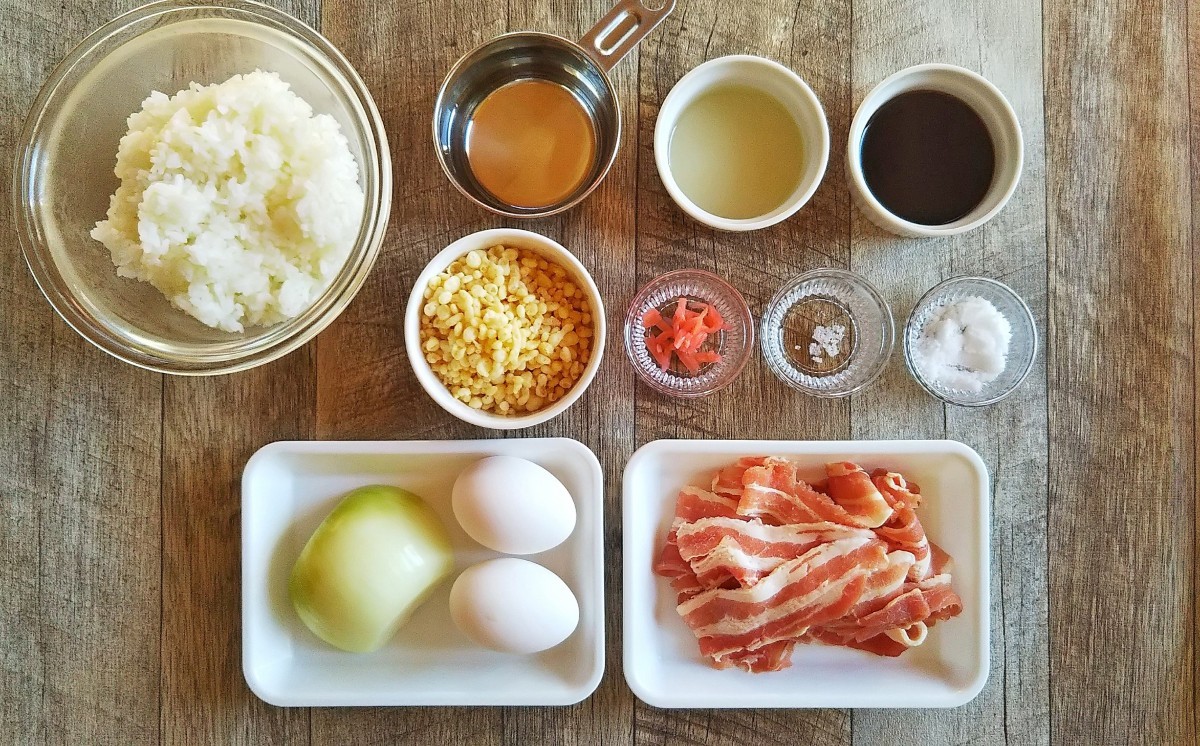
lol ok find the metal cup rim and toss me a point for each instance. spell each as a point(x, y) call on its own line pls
point(455, 71)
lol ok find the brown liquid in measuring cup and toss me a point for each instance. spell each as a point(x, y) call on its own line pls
point(927, 157)
point(531, 143)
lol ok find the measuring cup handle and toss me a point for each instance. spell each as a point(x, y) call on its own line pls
point(621, 29)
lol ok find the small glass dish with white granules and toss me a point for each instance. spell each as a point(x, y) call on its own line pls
point(827, 333)
point(970, 341)
point(721, 349)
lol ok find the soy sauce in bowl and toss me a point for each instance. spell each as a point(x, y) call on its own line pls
point(927, 157)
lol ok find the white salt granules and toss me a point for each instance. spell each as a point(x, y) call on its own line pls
point(963, 345)
point(826, 340)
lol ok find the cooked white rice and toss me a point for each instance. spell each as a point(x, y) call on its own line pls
point(235, 201)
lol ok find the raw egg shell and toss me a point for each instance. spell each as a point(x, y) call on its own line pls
point(513, 605)
point(512, 505)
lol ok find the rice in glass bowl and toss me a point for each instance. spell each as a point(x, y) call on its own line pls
point(64, 175)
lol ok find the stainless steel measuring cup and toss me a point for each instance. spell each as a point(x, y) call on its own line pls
point(582, 68)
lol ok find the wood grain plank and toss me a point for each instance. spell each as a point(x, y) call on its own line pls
point(996, 41)
point(600, 232)
point(365, 386)
point(94, 559)
point(1121, 381)
point(1012, 435)
point(26, 349)
point(1193, 39)
point(99, 566)
point(814, 41)
point(403, 57)
point(756, 263)
point(79, 508)
point(210, 427)
point(428, 214)
point(403, 50)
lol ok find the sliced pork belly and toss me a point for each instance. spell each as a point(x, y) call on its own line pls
point(943, 602)
point(818, 587)
point(896, 489)
point(903, 531)
point(941, 561)
point(882, 587)
point(728, 482)
point(774, 656)
point(879, 645)
point(904, 617)
point(773, 493)
point(694, 503)
point(852, 489)
point(722, 548)
point(764, 561)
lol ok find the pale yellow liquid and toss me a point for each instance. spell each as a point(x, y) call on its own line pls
point(736, 152)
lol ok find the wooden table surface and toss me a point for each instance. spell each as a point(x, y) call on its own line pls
point(119, 518)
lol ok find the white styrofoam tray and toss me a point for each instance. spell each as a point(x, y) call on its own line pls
point(287, 490)
point(662, 662)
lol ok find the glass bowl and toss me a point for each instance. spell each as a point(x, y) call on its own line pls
point(850, 310)
point(733, 345)
point(63, 176)
point(1022, 349)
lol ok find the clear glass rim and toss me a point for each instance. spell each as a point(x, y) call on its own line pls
point(1003, 289)
point(888, 330)
point(284, 337)
point(747, 320)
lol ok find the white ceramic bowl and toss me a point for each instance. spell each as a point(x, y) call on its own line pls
point(991, 106)
point(485, 240)
point(780, 83)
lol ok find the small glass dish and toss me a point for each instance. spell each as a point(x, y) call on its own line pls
point(837, 307)
point(733, 344)
point(1022, 348)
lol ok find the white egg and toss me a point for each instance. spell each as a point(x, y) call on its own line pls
point(513, 605)
point(512, 505)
